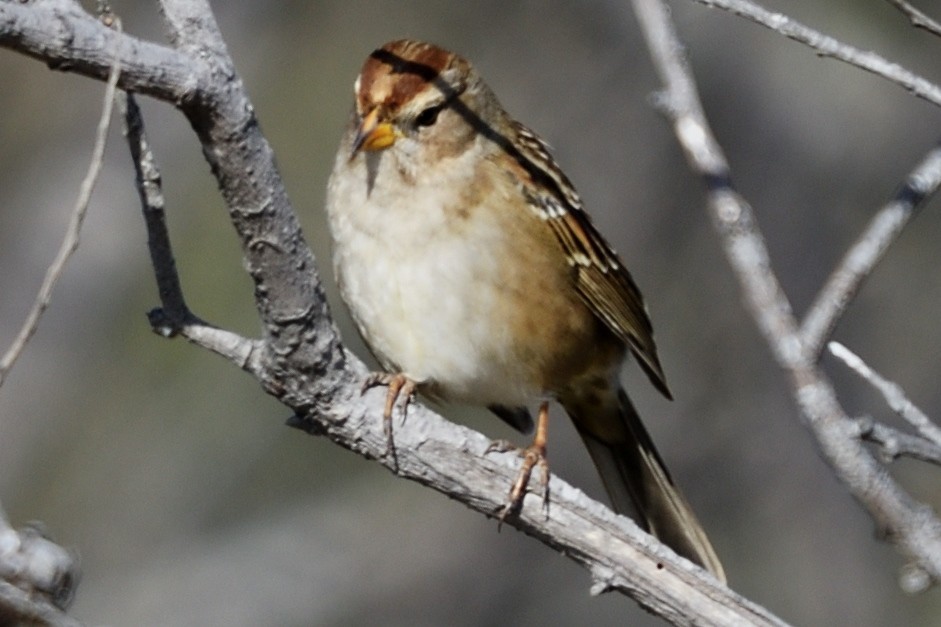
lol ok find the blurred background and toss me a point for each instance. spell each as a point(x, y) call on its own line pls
point(171, 473)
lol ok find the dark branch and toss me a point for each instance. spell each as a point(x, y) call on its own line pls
point(173, 317)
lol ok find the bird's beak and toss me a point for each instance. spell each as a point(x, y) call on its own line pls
point(373, 134)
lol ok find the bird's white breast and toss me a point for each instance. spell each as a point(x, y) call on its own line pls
point(419, 272)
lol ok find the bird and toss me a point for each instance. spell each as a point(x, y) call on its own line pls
point(475, 276)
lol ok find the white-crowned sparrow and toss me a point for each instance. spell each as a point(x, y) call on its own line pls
point(474, 275)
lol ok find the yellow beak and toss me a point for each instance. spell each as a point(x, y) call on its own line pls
point(373, 135)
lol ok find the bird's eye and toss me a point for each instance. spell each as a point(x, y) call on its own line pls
point(429, 116)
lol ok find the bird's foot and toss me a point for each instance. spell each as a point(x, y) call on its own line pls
point(401, 392)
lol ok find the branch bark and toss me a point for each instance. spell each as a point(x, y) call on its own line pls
point(893, 394)
point(66, 38)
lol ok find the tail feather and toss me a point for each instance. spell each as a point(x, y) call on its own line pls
point(637, 481)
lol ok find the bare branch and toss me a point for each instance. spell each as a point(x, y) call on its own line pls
point(911, 524)
point(730, 212)
point(150, 192)
point(71, 240)
point(918, 18)
point(19, 607)
point(827, 46)
point(858, 262)
point(37, 578)
point(620, 557)
point(892, 392)
point(301, 362)
point(66, 38)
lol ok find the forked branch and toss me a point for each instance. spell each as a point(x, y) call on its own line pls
point(912, 525)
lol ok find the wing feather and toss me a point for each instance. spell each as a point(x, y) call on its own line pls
point(600, 277)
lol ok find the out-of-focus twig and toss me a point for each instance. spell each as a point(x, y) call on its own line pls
point(827, 46)
point(918, 18)
point(71, 240)
point(912, 525)
point(37, 578)
point(894, 443)
point(892, 392)
point(862, 257)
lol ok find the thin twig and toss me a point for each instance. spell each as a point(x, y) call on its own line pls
point(827, 46)
point(893, 393)
point(858, 262)
point(71, 240)
point(173, 316)
point(918, 18)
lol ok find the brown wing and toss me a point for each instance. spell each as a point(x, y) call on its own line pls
point(601, 278)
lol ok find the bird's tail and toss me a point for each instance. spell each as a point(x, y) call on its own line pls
point(637, 481)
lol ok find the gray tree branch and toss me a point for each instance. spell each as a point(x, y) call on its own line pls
point(919, 19)
point(37, 578)
point(66, 38)
point(299, 359)
point(893, 394)
point(173, 317)
point(860, 260)
point(827, 46)
point(912, 525)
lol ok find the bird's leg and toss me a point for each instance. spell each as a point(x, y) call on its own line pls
point(401, 390)
point(533, 455)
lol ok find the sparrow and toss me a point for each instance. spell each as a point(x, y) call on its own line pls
point(475, 276)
